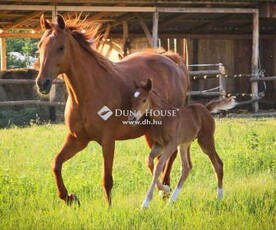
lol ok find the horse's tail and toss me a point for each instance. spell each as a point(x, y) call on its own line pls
point(175, 58)
point(221, 104)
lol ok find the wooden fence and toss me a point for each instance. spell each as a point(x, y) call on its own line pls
point(219, 91)
point(220, 73)
point(27, 102)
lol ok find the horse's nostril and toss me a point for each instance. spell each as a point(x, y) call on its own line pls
point(44, 85)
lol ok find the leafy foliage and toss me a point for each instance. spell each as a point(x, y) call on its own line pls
point(25, 46)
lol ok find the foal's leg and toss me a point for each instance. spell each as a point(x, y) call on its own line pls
point(157, 171)
point(155, 151)
point(207, 144)
point(184, 151)
point(69, 149)
point(166, 180)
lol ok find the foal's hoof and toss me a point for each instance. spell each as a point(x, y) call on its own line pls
point(165, 193)
point(72, 199)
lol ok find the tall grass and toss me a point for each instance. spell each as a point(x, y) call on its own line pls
point(28, 198)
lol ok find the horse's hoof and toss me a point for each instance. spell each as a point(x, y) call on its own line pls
point(71, 199)
point(220, 193)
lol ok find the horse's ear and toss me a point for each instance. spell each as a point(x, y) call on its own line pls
point(148, 86)
point(45, 25)
point(60, 22)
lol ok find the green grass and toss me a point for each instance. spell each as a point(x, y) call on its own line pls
point(28, 197)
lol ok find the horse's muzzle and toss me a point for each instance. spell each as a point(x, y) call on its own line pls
point(44, 85)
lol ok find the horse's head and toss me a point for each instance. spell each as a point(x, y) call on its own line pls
point(53, 53)
point(140, 101)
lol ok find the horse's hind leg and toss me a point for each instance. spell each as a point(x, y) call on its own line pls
point(184, 151)
point(207, 144)
point(69, 149)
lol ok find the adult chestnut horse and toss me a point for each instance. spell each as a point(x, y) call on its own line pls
point(92, 82)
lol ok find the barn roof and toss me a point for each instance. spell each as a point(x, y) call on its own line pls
point(175, 17)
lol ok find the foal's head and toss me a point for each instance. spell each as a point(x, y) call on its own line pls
point(140, 101)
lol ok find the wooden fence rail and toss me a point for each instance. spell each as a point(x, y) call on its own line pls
point(219, 72)
point(271, 78)
point(23, 81)
point(30, 102)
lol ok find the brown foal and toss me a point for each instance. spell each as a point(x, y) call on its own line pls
point(177, 128)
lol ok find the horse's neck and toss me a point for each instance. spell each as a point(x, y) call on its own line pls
point(84, 78)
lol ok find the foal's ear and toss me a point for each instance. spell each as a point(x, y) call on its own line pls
point(44, 24)
point(148, 85)
point(60, 21)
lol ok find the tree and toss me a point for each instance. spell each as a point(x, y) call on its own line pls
point(25, 46)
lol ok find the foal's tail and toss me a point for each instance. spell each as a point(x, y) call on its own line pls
point(221, 104)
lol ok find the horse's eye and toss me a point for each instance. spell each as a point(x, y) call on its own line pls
point(144, 101)
point(61, 48)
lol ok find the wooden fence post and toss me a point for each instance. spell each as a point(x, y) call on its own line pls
point(155, 30)
point(3, 53)
point(53, 92)
point(255, 60)
point(222, 81)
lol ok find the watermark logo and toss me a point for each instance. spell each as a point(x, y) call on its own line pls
point(105, 113)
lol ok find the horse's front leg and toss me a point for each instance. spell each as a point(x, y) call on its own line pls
point(70, 148)
point(108, 147)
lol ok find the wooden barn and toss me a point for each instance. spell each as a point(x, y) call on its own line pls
point(241, 35)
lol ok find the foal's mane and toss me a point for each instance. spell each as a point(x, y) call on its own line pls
point(85, 33)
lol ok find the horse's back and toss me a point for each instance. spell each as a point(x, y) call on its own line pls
point(170, 79)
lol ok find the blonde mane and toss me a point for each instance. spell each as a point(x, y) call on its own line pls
point(85, 33)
